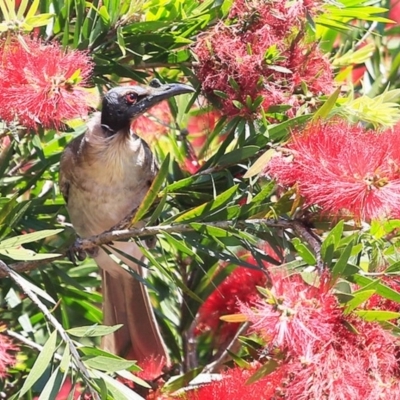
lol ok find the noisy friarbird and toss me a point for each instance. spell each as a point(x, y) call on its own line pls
point(104, 176)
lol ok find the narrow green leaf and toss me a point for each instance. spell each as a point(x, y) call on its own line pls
point(181, 381)
point(93, 331)
point(108, 364)
point(381, 289)
point(393, 269)
point(53, 385)
point(327, 107)
point(40, 292)
point(154, 190)
point(118, 390)
point(21, 254)
point(304, 252)
point(181, 246)
point(237, 155)
point(211, 230)
point(41, 363)
point(66, 360)
point(28, 238)
point(331, 242)
point(239, 360)
point(357, 299)
point(269, 367)
point(377, 315)
point(33, 8)
point(341, 263)
point(260, 164)
point(205, 209)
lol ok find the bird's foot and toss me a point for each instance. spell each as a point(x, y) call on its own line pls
point(76, 253)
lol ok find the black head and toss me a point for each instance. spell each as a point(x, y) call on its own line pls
point(123, 104)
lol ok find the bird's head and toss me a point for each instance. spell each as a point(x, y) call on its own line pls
point(121, 105)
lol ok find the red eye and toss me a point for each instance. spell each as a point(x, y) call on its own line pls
point(131, 98)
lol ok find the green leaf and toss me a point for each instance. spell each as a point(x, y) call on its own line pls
point(28, 238)
point(93, 331)
point(53, 385)
point(377, 315)
point(304, 252)
point(237, 155)
point(357, 299)
point(41, 363)
point(341, 263)
point(381, 289)
point(269, 367)
point(109, 364)
point(118, 390)
point(154, 190)
point(260, 164)
point(181, 381)
point(331, 242)
point(39, 20)
point(205, 209)
point(21, 254)
point(36, 289)
point(393, 269)
point(327, 107)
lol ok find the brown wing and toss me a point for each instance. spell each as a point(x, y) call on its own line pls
point(68, 163)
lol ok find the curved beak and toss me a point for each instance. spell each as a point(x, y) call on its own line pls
point(158, 92)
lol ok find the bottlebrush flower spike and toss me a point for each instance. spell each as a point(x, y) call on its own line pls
point(262, 58)
point(324, 354)
point(7, 357)
point(233, 386)
point(298, 318)
point(239, 286)
point(41, 84)
point(343, 168)
point(157, 121)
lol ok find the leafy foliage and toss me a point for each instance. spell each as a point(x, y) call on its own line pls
point(213, 209)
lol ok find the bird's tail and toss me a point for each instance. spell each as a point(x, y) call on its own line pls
point(126, 301)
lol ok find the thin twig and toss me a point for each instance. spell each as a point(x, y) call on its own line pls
point(30, 343)
point(92, 242)
point(313, 241)
point(64, 336)
point(214, 366)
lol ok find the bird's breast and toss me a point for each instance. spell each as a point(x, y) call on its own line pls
point(113, 178)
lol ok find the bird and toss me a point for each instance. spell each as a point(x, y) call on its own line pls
point(105, 174)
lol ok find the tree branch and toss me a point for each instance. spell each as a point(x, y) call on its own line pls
point(64, 336)
point(87, 244)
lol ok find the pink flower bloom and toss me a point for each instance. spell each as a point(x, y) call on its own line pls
point(7, 357)
point(239, 286)
point(262, 52)
point(322, 356)
point(156, 121)
point(343, 168)
point(233, 386)
point(41, 84)
point(298, 318)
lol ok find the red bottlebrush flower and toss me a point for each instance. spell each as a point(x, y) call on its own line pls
point(298, 318)
point(233, 386)
point(240, 285)
point(263, 54)
point(322, 358)
point(41, 84)
point(200, 125)
point(377, 302)
point(350, 367)
point(343, 168)
point(152, 368)
point(7, 357)
point(157, 122)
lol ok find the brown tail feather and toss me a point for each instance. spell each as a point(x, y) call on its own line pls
point(126, 301)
